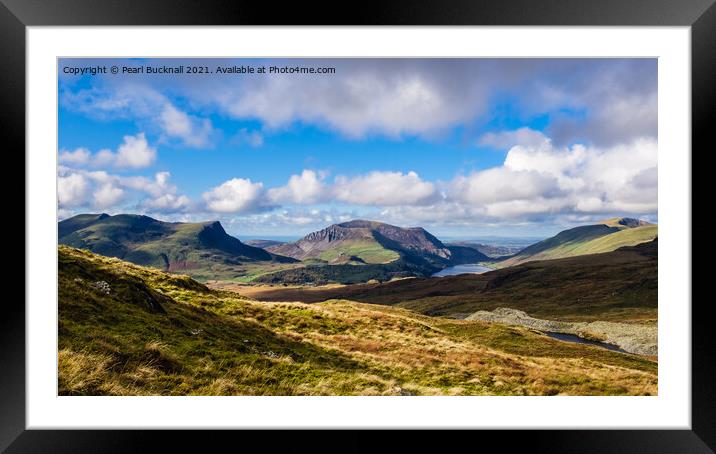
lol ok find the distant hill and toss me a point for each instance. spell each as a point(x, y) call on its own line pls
point(606, 236)
point(263, 244)
point(359, 251)
point(619, 285)
point(371, 242)
point(191, 248)
point(490, 250)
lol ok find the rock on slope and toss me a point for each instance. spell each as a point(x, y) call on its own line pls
point(630, 337)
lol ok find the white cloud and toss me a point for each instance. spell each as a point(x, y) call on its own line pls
point(539, 182)
point(234, 196)
point(107, 195)
point(168, 203)
point(72, 190)
point(193, 132)
point(503, 184)
point(157, 187)
point(305, 188)
point(384, 189)
point(546, 179)
point(75, 186)
point(80, 156)
point(508, 139)
point(294, 222)
point(388, 97)
point(598, 101)
point(104, 158)
point(135, 152)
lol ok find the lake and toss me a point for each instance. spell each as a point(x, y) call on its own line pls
point(471, 268)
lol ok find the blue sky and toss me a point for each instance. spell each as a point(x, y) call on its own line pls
point(462, 147)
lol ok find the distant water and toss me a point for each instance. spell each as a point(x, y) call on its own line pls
point(579, 340)
point(471, 268)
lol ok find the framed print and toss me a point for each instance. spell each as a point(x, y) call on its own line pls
point(422, 217)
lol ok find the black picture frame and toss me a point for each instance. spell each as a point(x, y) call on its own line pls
point(16, 15)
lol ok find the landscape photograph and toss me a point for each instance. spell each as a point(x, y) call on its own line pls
point(357, 227)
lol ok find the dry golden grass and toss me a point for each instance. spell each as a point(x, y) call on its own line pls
point(210, 342)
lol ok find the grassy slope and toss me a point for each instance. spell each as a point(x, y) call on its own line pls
point(150, 332)
point(176, 247)
point(618, 286)
point(323, 274)
point(613, 241)
point(584, 240)
point(368, 251)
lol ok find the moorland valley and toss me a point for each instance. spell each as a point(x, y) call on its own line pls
point(153, 307)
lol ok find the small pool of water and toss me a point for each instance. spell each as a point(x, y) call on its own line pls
point(579, 340)
point(470, 268)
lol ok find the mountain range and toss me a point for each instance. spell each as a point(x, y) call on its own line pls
point(349, 252)
point(363, 242)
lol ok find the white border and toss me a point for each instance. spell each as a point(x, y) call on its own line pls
point(671, 409)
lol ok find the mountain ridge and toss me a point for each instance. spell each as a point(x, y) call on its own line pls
point(605, 236)
point(170, 246)
point(379, 243)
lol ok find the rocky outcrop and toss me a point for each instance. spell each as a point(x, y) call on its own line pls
point(410, 239)
point(414, 241)
point(633, 338)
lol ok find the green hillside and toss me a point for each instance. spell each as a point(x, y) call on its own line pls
point(203, 250)
point(366, 251)
point(613, 241)
point(590, 239)
point(130, 330)
point(360, 250)
point(615, 286)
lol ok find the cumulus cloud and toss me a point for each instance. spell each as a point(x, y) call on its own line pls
point(503, 184)
point(305, 188)
point(72, 190)
point(134, 152)
point(80, 156)
point(385, 189)
point(235, 196)
point(377, 188)
point(168, 203)
point(107, 195)
point(156, 187)
point(103, 190)
point(578, 179)
point(535, 181)
point(543, 181)
point(289, 221)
